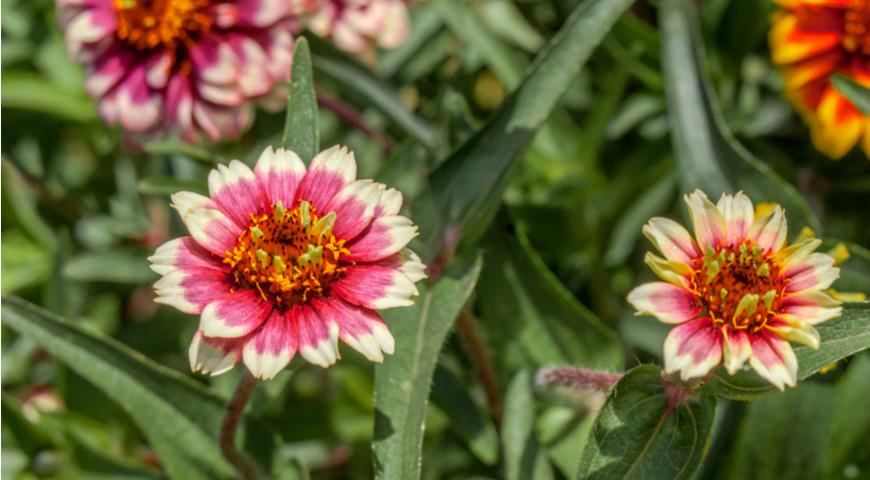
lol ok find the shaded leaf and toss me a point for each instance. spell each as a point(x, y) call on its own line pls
point(179, 417)
point(31, 92)
point(524, 457)
point(841, 338)
point(167, 185)
point(467, 187)
point(467, 420)
point(127, 266)
point(639, 435)
point(301, 132)
point(402, 382)
point(709, 156)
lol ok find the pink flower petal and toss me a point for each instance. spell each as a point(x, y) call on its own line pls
point(215, 60)
point(693, 348)
point(770, 231)
point(329, 172)
point(817, 272)
point(708, 222)
point(254, 77)
point(359, 327)
point(138, 106)
point(773, 359)
point(736, 350)
point(237, 192)
point(668, 303)
point(354, 207)
point(317, 339)
point(739, 214)
point(234, 314)
point(271, 347)
point(793, 329)
point(375, 287)
point(279, 172)
point(384, 237)
point(191, 276)
point(670, 238)
point(812, 307)
point(406, 262)
point(396, 25)
point(214, 356)
point(211, 229)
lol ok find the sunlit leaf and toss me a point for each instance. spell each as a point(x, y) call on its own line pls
point(523, 454)
point(640, 434)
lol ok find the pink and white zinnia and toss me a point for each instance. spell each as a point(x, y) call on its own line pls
point(735, 290)
point(282, 260)
point(192, 67)
point(357, 26)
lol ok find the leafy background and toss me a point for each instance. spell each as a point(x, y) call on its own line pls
point(532, 139)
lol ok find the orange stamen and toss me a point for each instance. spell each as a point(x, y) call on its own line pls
point(856, 36)
point(146, 24)
point(288, 256)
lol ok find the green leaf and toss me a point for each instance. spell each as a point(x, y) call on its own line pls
point(359, 81)
point(530, 317)
point(472, 424)
point(854, 91)
point(205, 156)
point(402, 382)
point(166, 185)
point(468, 186)
point(301, 133)
point(708, 155)
point(523, 455)
point(27, 91)
point(850, 429)
point(639, 435)
point(782, 436)
point(23, 209)
point(841, 338)
point(178, 416)
point(127, 266)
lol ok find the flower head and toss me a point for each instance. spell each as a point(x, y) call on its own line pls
point(735, 291)
point(194, 67)
point(812, 40)
point(357, 26)
point(282, 260)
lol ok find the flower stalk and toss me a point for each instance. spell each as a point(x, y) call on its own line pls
point(241, 396)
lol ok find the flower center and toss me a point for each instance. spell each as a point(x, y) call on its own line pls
point(856, 37)
point(738, 286)
point(288, 256)
point(146, 24)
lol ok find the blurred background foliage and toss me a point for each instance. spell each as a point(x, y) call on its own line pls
point(81, 213)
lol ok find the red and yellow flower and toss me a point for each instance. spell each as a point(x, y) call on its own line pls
point(192, 67)
point(735, 291)
point(812, 40)
point(282, 259)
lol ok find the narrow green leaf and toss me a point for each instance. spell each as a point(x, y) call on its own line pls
point(31, 92)
point(850, 429)
point(301, 132)
point(530, 317)
point(471, 423)
point(178, 416)
point(128, 266)
point(854, 91)
point(841, 338)
point(468, 186)
point(402, 382)
point(639, 435)
point(358, 80)
point(23, 208)
point(709, 156)
point(523, 456)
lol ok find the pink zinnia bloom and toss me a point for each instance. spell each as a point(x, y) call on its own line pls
point(735, 291)
point(190, 66)
point(357, 26)
point(282, 260)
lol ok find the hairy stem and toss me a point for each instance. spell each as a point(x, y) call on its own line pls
point(241, 396)
point(578, 378)
point(482, 363)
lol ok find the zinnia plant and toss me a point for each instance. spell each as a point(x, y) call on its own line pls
point(735, 290)
point(192, 67)
point(282, 260)
point(812, 40)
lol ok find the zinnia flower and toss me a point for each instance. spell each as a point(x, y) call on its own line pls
point(190, 66)
point(282, 260)
point(735, 291)
point(356, 26)
point(812, 40)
